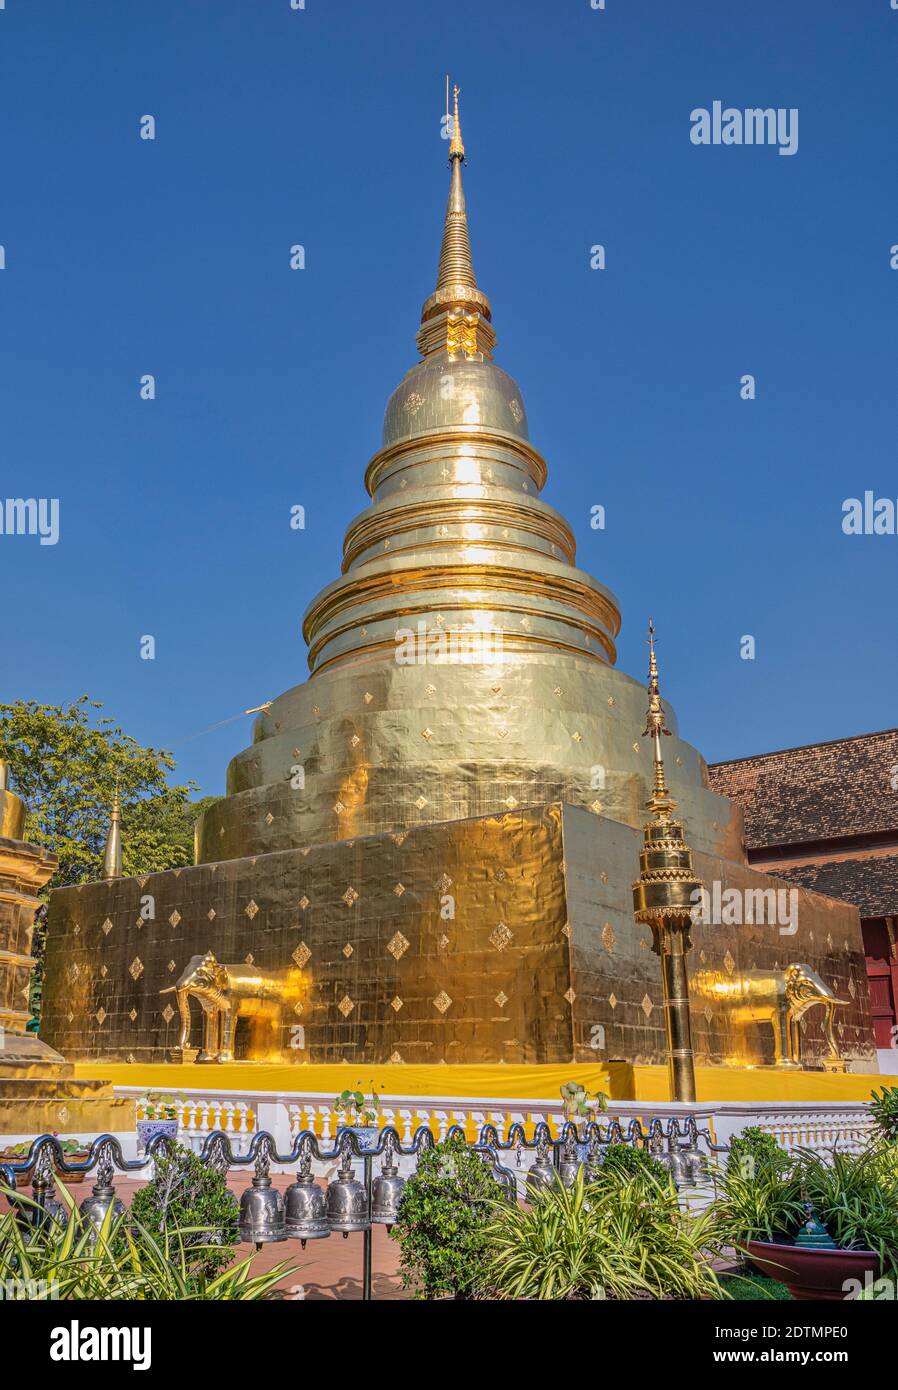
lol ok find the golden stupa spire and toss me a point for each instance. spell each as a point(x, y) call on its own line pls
point(112, 856)
point(456, 317)
point(12, 807)
point(660, 803)
point(456, 267)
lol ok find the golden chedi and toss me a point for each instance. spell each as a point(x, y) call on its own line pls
point(511, 696)
point(440, 827)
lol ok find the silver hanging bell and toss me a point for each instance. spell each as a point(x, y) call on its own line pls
point(696, 1165)
point(262, 1213)
point(571, 1160)
point(305, 1207)
point(675, 1160)
point(94, 1208)
point(347, 1200)
point(568, 1168)
point(386, 1195)
point(262, 1218)
point(541, 1176)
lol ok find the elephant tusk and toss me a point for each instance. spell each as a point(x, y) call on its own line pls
point(169, 990)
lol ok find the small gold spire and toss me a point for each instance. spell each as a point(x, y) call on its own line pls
point(661, 803)
point(112, 857)
point(664, 897)
point(12, 807)
point(456, 148)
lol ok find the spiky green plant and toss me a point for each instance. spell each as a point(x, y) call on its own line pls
point(122, 1261)
point(757, 1202)
point(884, 1109)
point(622, 1238)
point(856, 1198)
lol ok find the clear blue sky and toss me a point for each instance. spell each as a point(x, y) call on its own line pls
point(321, 127)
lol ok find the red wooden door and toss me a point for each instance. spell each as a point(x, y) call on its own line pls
point(882, 980)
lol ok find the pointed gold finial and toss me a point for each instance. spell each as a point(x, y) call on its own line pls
point(112, 856)
point(455, 319)
point(456, 148)
point(12, 807)
point(661, 803)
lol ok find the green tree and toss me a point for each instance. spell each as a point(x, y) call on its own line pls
point(66, 765)
point(442, 1222)
point(190, 1202)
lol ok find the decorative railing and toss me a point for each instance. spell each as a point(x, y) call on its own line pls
point(349, 1206)
point(239, 1115)
point(814, 1125)
point(817, 1126)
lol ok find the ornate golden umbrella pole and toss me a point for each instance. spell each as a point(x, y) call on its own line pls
point(663, 899)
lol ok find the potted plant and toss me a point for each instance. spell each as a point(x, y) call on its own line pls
point(579, 1108)
point(815, 1224)
point(160, 1116)
point(74, 1151)
point(357, 1112)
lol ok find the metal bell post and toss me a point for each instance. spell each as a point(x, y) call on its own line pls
point(93, 1209)
point(349, 1205)
point(42, 1187)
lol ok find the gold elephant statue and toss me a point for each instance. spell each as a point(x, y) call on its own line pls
point(228, 992)
point(778, 997)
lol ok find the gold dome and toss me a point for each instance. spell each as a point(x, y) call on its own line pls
point(440, 394)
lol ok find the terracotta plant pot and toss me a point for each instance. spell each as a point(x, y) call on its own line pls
point(73, 1179)
point(809, 1273)
point(70, 1179)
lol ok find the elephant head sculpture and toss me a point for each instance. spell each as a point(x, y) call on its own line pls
point(804, 989)
point(778, 997)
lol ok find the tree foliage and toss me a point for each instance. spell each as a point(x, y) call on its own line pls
point(884, 1109)
point(191, 1202)
point(442, 1222)
point(67, 764)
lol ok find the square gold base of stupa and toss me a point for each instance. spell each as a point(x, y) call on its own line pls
point(507, 939)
